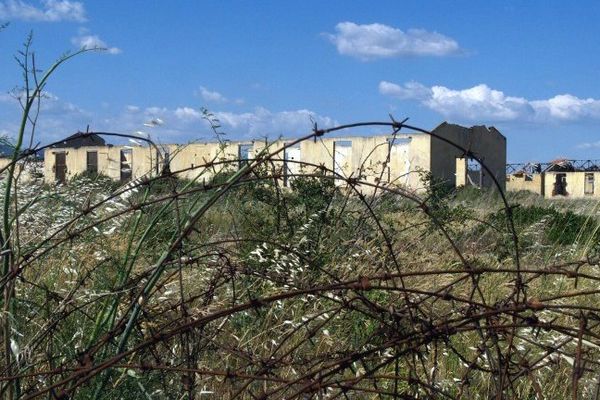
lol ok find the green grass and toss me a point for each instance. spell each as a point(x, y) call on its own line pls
point(260, 241)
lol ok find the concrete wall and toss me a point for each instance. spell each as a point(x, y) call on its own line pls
point(544, 184)
point(490, 144)
point(461, 172)
point(76, 160)
point(25, 170)
point(278, 165)
point(202, 161)
point(372, 159)
point(375, 159)
point(532, 183)
point(381, 159)
point(366, 158)
point(109, 161)
point(575, 185)
point(4, 161)
point(487, 144)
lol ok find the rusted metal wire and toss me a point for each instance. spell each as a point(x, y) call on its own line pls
point(355, 301)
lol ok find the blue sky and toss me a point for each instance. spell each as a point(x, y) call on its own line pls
point(266, 68)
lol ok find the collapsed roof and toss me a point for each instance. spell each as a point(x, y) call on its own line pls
point(81, 139)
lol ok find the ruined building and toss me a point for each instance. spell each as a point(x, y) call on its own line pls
point(366, 157)
point(80, 154)
point(560, 178)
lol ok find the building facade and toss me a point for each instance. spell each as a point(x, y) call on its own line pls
point(557, 179)
point(400, 159)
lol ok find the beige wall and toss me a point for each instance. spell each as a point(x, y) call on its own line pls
point(277, 166)
point(4, 161)
point(369, 158)
point(109, 161)
point(532, 183)
point(575, 184)
point(461, 172)
point(26, 170)
point(544, 184)
point(202, 161)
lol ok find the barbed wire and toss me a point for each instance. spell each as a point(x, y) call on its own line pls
point(239, 288)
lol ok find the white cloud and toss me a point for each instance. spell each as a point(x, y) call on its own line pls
point(188, 113)
point(50, 103)
point(375, 41)
point(409, 90)
point(57, 118)
point(568, 107)
point(186, 123)
point(483, 103)
point(87, 41)
point(6, 98)
point(211, 96)
point(50, 11)
point(154, 111)
point(132, 108)
point(52, 107)
point(589, 145)
point(478, 102)
point(263, 122)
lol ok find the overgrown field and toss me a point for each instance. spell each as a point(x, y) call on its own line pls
point(166, 289)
